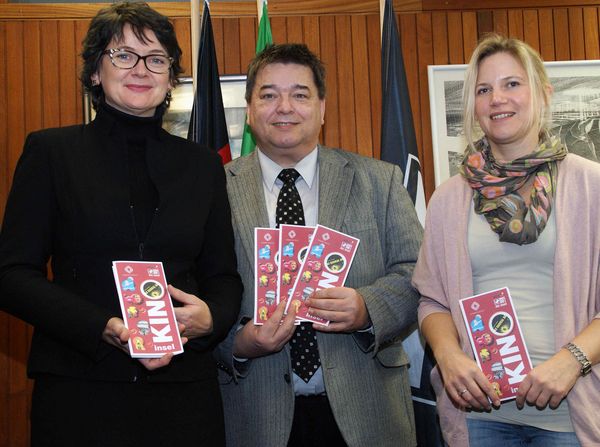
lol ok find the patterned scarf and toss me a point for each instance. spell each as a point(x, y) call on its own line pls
point(495, 187)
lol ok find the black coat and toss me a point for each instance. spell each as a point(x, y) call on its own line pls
point(70, 203)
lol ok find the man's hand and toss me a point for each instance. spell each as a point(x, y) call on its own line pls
point(344, 307)
point(255, 341)
point(194, 314)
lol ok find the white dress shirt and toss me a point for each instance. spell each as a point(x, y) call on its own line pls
point(308, 188)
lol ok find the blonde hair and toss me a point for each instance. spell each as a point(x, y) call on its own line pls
point(537, 78)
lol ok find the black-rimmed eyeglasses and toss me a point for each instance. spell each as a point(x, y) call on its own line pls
point(126, 59)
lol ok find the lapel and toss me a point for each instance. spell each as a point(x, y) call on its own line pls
point(246, 195)
point(335, 182)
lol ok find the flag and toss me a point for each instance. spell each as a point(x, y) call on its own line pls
point(264, 39)
point(399, 146)
point(398, 140)
point(207, 122)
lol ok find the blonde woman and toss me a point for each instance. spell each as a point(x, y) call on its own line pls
point(522, 213)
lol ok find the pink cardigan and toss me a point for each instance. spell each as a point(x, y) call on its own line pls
point(443, 276)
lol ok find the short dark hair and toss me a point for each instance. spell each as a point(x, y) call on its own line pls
point(109, 24)
point(286, 53)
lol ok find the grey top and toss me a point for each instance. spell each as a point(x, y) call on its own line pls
point(527, 271)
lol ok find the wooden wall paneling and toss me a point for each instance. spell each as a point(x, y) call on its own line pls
point(5, 416)
point(440, 38)
point(331, 129)
point(184, 37)
point(17, 341)
point(590, 24)
point(4, 184)
point(576, 39)
point(51, 76)
point(247, 42)
point(67, 50)
point(4, 161)
point(19, 387)
point(231, 43)
point(278, 29)
point(515, 23)
point(546, 23)
point(425, 53)
point(311, 37)
point(40, 63)
point(345, 83)
point(217, 24)
point(283, 8)
point(561, 34)
point(81, 27)
point(4, 355)
point(470, 36)
point(15, 73)
point(294, 29)
point(374, 66)
point(310, 33)
point(531, 33)
point(485, 22)
point(500, 20)
point(455, 38)
point(362, 94)
point(33, 74)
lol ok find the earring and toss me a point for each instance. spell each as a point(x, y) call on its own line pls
point(167, 100)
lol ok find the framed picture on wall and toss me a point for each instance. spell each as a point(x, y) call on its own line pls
point(177, 118)
point(575, 111)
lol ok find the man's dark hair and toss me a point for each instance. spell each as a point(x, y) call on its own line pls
point(286, 53)
point(109, 24)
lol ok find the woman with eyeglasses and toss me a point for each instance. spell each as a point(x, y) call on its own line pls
point(120, 188)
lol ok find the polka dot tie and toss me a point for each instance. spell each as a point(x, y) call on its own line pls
point(303, 344)
point(289, 205)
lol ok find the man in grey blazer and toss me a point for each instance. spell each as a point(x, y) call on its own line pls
point(359, 396)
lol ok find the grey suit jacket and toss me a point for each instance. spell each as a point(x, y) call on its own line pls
point(365, 375)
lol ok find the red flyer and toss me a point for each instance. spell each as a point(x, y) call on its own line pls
point(294, 241)
point(147, 309)
point(497, 340)
point(326, 264)
point(266, 266)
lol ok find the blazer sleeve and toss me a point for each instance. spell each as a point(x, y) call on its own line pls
point(390, 299)
point(26, 245)
point(220, 285)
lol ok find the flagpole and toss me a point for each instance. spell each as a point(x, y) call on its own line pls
point(381, 17)
point(259, 7)
point(195, 21)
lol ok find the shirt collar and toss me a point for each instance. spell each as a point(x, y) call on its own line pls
point(307, 167)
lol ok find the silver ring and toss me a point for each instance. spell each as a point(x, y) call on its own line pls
point(462, 392)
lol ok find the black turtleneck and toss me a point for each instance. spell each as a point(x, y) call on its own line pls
point(135, 131)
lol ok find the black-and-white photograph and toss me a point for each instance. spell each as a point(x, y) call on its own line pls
point(177, 119)
point(575, 111)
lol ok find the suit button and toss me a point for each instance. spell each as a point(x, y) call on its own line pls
point(286, 377)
